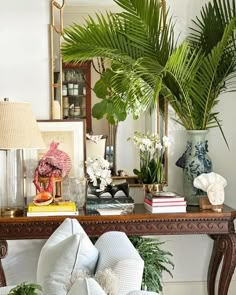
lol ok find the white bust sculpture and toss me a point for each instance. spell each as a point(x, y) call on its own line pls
point(214, 185)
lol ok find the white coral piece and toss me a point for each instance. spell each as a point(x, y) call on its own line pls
point(213, 184)
point(205, 179)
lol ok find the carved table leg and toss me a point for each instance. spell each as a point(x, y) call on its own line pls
point(3, 253)
point(224, 246)
point(215, 260)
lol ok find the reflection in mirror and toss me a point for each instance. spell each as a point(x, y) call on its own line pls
point(56, 28)
point(124, 155)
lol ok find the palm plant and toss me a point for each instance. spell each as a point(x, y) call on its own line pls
point(203, 66)
point(134, 41)
point(145, 64)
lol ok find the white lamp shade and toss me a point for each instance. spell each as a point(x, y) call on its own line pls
point(18, 127)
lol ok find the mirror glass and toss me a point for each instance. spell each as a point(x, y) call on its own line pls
point(127, 156)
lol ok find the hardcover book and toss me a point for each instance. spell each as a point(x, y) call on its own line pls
point(165, 209)
point(162, 204)
point(125, 206)
point(64, 206)
point(65, 213)
point(157, 198)
point(100, 203)
point(103, 200)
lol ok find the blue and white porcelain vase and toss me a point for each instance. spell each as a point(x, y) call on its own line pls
point(194, 162)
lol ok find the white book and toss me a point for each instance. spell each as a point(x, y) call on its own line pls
point(37, 214)
point(110, 211)
point(166, 209)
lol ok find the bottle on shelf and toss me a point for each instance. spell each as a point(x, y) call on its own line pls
point(76, 90)
point(65, 107)
point(64, 90)
point(56, 115)
point(70, 88)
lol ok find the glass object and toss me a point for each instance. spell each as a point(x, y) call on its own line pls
point(64, 90)
point(194, 162)
point(75, 189)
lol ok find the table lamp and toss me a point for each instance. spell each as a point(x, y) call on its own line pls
point(18, 131)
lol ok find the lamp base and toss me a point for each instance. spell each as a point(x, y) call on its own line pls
point(12, 212)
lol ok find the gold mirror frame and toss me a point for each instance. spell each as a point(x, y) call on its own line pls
point(56, 31)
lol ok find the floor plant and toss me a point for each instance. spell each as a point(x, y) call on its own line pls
point(156, 261)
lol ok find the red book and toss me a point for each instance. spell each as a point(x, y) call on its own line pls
point(164, 199)
point(164, 204)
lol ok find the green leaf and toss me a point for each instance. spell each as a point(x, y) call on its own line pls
point(99, 109)
point(100, 89)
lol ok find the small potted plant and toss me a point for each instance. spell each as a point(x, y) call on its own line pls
point(151, 151)
point(26, 289)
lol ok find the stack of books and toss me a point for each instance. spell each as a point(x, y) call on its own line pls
point(124, 203)
point(62, 208)
point(115, 200)
point(165, 202)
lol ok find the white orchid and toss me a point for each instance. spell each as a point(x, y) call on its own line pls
point(151, 150)
point(99, 172)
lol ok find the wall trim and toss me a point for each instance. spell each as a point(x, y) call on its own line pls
point(193, 288)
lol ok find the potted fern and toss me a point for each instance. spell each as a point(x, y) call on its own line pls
point(156, 261)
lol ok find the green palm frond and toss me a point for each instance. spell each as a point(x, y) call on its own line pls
point(216, 15)
point(136, 32)
point(145, 20)
point(181, 69)
point(196, 77)
point(96, 39)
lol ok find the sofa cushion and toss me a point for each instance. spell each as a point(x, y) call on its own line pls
point(65, 252)
point(107, 280)
point(22, 252)
point(86, 286)
point(6, 290)
point(118, 253)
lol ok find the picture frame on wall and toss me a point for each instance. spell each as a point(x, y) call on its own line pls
point(71, 138)
point(70, 135)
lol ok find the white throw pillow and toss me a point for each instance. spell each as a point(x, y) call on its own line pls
point(65, 252)
point(106, 279)
point(86, 286)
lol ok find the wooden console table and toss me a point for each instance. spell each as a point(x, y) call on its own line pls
point(218, 225)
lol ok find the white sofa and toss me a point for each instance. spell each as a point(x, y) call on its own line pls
point(59, 264)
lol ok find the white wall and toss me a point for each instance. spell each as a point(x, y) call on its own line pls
point(24, 58)
point(24, 72)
